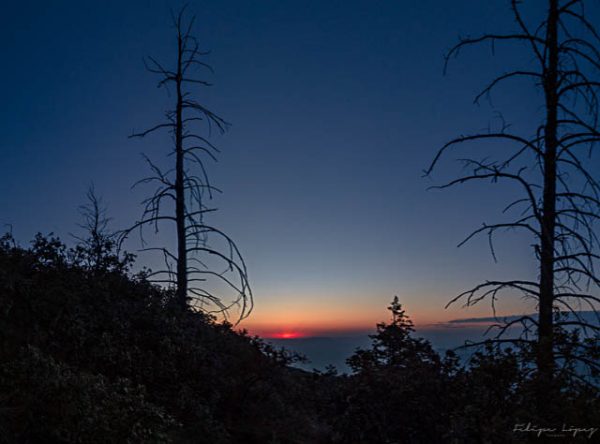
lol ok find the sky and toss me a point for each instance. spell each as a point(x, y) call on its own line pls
point(336, 108)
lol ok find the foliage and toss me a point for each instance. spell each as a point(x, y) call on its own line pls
point(397, 390)
point(70, 329)
point(46, 401)
point(95, 354)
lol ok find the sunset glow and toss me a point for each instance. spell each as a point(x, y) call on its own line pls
point(287, 335)
point(319, 315)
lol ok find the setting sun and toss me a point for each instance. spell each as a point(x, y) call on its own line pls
point(287, 335)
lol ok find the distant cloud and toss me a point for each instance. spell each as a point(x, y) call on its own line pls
point(488, 319)
point(588, 316)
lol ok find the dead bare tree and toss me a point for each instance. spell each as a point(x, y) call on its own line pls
point(96, 244)
point(183, 192)
point(560, 198)
point(96, 247)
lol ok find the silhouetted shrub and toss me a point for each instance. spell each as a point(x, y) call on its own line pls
point(91, 353)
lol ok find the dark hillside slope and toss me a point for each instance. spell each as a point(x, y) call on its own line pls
point(91, 354)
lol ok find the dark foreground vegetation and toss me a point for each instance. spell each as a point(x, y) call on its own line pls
point(91, 353)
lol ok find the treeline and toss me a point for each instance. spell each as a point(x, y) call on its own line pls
point(92, 353)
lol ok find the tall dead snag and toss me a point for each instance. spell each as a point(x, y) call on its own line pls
point(560, 195)
point(204, 253)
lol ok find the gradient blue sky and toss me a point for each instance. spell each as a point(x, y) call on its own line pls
point(336, 108)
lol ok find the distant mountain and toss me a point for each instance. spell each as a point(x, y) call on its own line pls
point(322, 351)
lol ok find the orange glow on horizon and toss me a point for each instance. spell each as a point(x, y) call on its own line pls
point(323, 315)
point(287, 335)
point(309, 323)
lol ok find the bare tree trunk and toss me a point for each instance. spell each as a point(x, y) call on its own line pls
point(545, 358)
point(194, 281)
point(562, 201)
point(182, 281)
